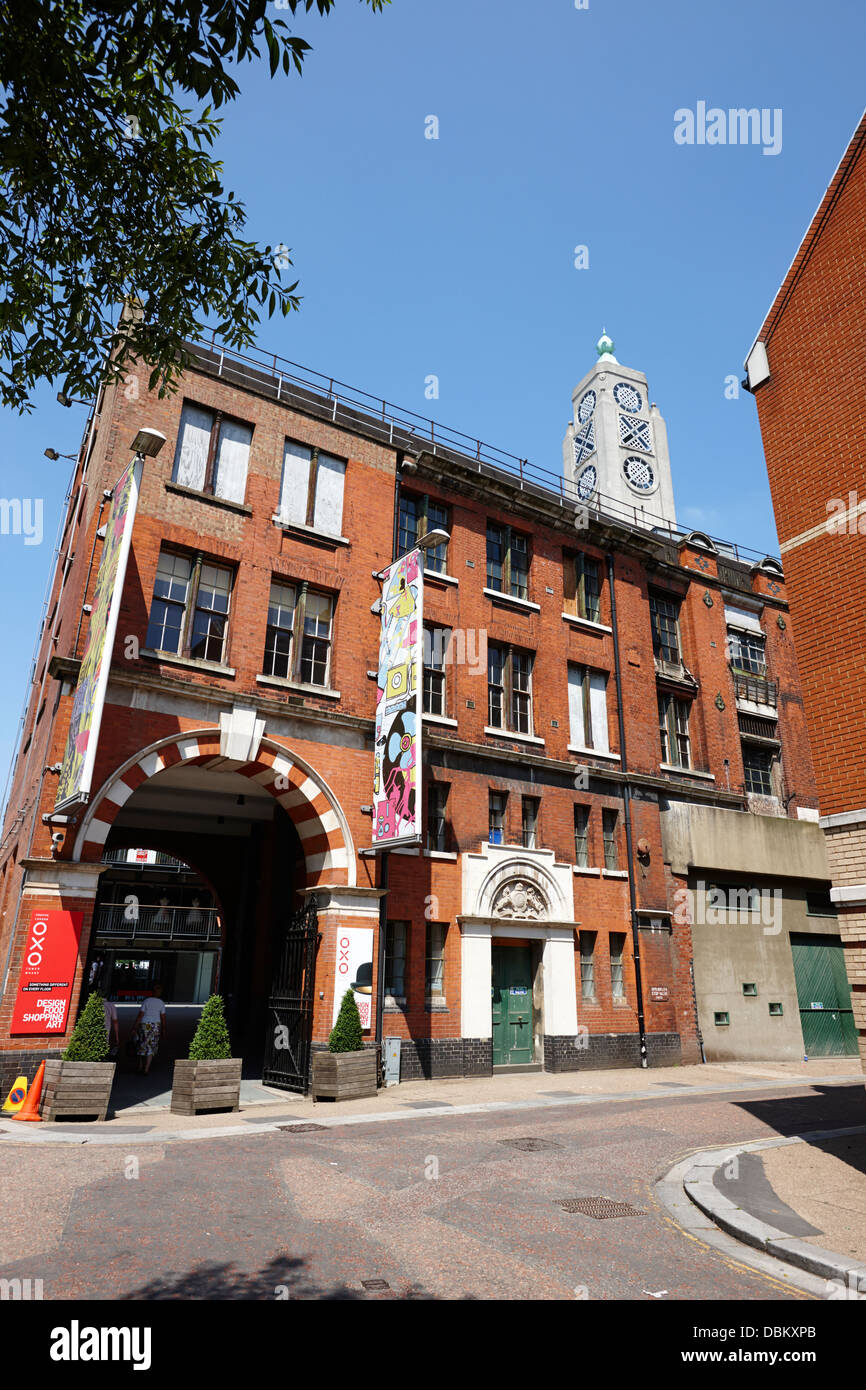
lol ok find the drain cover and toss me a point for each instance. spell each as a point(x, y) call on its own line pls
point(375, 1284)
point(529, 1145)
point(601, 1208)
point(300, 1129)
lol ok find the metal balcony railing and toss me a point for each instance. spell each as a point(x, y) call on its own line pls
point(135, 921)
point(754, 726)
point(757, 689)
point(162, 861)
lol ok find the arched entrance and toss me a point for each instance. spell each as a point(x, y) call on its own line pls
point(329, 853)
point(260, 833)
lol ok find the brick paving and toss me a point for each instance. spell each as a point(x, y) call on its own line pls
point(437, 1207)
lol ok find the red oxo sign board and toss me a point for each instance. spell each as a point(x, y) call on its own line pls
point(45, 985)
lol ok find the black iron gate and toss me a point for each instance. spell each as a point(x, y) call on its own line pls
point(290, 1006)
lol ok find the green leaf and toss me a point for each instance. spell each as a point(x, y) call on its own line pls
point(87, 214)
point(273, 48)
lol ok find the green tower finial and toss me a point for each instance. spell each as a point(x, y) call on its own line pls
point(605, 345)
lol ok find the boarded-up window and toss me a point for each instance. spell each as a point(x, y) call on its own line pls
point(311, 492)
point(587, 708)
point(201, 433)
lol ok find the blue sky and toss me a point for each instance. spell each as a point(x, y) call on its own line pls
point(455, 257)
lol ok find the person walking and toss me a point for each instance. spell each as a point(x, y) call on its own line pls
point(112, 1027)
point(149, 1027)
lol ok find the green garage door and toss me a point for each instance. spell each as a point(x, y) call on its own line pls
point(824, 996)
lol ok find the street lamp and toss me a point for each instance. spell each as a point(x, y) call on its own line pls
point(54, 456)
point(148, 442)
point(432, 538)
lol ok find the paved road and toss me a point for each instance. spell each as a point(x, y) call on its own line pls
point(440, 1208)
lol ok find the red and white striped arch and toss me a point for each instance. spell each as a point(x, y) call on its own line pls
point(313, 807)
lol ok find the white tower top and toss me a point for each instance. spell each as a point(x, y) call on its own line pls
point(615, 449)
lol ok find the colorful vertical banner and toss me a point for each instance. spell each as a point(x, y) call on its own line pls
point(355, 971)
point(45, 984)
point(80, 756)
point(397, 756)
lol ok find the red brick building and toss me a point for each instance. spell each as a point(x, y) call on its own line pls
point(806, 368)
point(612, 715)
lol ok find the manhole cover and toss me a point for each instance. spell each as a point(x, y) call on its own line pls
point(375, 1284)
point(529, 1145)
point(601, 1208)
point(300, 1129)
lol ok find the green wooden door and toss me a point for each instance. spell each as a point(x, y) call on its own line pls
point(512, 1006)
point(824, 996)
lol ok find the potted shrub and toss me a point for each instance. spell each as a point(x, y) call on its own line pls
point(79, 1082)
point(348, 1069)
point(210, 1079)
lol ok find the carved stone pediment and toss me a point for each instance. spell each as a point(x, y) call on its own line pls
point(505, 883)
point(518, 899)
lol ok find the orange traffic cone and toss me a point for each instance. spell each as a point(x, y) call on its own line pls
point(30, 1108)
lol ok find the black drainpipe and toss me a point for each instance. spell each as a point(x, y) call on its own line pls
point(398, 478)
point(626, 797)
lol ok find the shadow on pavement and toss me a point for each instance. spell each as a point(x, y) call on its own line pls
point(280, 1279)
point(828, 1107)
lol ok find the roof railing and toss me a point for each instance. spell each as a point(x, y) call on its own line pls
point(327, 396)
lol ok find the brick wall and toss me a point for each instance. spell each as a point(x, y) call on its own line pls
point(150, 699)
point(811, 425)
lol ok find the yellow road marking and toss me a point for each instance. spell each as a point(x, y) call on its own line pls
point(738, 1264)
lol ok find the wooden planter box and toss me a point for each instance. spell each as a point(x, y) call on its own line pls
point(211, 1085)
point(76, 1088)
point(344, 1075)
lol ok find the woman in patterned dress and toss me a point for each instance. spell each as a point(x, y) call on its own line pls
point(149, 1028)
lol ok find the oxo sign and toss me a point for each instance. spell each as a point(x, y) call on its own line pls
point(47, 972)
point(355, 970)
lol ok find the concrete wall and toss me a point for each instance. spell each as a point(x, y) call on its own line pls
point(737, 842)
point(733, 946)
point(752, 948)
